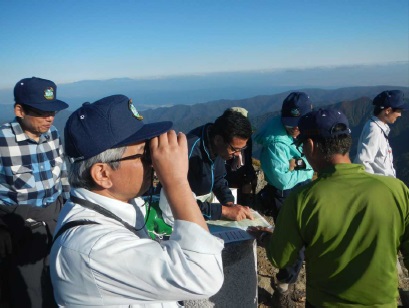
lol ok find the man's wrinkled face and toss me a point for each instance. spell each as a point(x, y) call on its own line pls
point(133, 177)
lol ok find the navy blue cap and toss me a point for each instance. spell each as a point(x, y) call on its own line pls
point(38, 93)
point(110, 122)
point(391, 98)
point(295, 105)
point(321, 123)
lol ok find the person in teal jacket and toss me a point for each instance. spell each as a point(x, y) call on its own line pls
point(351, 222)
point(278, 155)
point(284, 167)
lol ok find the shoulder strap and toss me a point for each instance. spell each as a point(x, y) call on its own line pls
point(99, 209)
point(72, 224)
point(383, 132)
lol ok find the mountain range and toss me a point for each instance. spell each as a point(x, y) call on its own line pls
point(165, 91)
point(186, 117)
point(355, 102)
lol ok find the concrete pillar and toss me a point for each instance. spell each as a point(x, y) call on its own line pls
point(240, 278)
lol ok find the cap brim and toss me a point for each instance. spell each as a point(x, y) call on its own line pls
point(147, 131)
point(404, 107)
point(55, 105)
point(290, 121)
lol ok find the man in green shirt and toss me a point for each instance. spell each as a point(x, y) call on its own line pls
point(352, 223)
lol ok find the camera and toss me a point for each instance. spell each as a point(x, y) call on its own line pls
point(299, 164)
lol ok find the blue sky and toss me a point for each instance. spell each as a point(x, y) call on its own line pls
point(68, 41)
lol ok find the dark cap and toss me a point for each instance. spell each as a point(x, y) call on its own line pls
point(391, 98)
point(108, 123)
point(321, 123)
point(295, 105)
point(38, 93)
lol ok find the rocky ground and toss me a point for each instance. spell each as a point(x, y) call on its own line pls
point(266, 274)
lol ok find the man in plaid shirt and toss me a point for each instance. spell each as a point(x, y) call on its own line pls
point(33, 188)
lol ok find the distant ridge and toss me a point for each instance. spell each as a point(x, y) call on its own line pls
point(185, 117)
point(355, 102)
point(152, 92)
point(260, 107)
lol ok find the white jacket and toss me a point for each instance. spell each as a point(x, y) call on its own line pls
point(107, 265)
point(374, 151)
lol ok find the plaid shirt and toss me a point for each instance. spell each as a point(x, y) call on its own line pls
point(31, 173)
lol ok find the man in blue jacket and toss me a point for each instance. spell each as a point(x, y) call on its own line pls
point(209, 147)
point(240, 171)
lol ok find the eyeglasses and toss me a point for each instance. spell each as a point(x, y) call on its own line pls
point(145, 157)
point(130, 157)
point(236, 150)
point(34, 112)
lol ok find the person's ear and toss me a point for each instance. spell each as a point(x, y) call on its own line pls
point(19, 111)
point(100, 173)
point(388, 110)
point(308, 147)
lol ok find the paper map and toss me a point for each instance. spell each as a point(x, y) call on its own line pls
point(233, 231)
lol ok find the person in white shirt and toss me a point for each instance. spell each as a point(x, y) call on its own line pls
point(374, 150)
point(102, 254)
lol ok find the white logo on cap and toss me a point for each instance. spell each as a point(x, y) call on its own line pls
point(49, 93)
point(135, 112)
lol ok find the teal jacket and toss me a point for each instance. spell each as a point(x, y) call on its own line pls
point(277, 150)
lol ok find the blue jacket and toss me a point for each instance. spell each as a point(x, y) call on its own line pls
point(277, 150)
point(206, 175)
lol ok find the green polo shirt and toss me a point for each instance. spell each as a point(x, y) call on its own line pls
point(352, 224)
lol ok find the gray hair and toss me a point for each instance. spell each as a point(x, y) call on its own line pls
point(79, 173)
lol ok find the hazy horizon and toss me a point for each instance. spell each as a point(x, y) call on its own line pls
point(71, 41)
point(200, 88)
